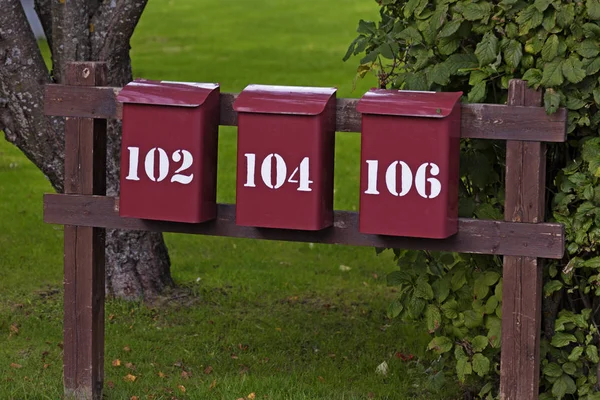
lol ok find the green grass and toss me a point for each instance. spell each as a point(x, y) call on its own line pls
point(281, 320)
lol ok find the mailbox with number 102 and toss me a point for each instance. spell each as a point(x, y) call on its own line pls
point(169, 151)
point(410, 148)
point(285, 156)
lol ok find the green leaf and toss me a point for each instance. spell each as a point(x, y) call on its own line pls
point(563, 385)
point(591, 30)
point(490, 278)
point(478, 93)
point(551, 101)
point(450, 28)
point(423, 289)
point(450, 309)
point(533, 76)
point(572, 70)
point(562, 339)
point(477, 11)
point(440, 344)
point(593, 67)
point(569, 368)
point(491, 305)
point(553, 370)
point(529, 18)
point(481, 364)
point(414, 7)
point(433, 318)
point(480, 291)
point(575, 354)
point(588, 48)
point(479, 343)
point(396, 278)
point(394, 309)
point(551, 287)
point(550, 48)
point(441, 288)
point(553, 75)
point(458, 279)
point(487, 50)
point(565, 15)
point(366, 27)
point(542, 5)
point(593, 9)
point(447, 46)
point(591, 352)
point(415, 307)
point(473, 319)
point(513, 53)
point(463, 368)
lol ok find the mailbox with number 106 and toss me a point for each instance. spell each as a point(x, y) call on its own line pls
point(286, 140)
point(169, 151)
point(410, 147)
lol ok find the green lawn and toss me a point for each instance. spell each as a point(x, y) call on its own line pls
point(280, 320)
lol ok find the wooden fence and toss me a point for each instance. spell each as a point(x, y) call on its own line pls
point(522, 238)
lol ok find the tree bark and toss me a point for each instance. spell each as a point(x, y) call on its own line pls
point(138, 263)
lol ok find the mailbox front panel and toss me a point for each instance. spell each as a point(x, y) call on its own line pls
point(169, 162)
point(409, 175)
point(284, 171)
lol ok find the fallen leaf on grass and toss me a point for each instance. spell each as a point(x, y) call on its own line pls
point(251, 396)
point(371, 395)
point(382, 369)
point(15, 365)
point(213, 385)
point(126, 348)
point(234, 356)
point(345, 268)
point(182, 388)
point(185, 374)
point(321, 379)
point(129, 378)
point(111, 317)
point(278, 329)
point(14, 330)
point(46, 366)
point(134, 398)
point(161, 374)
point(110, 384)
point(130, 366)
point(116, 363)
point(208, 370)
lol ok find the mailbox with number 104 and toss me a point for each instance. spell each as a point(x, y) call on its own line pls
point(410, 147)
point(169, 151)
point(285, 156)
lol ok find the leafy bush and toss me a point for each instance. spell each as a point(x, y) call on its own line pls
point(477, 47)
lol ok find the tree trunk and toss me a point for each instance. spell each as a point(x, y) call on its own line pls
point(138, 263)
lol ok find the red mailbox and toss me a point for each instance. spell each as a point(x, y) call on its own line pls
point(410, 148)
point(169, 151)
point(286, 138)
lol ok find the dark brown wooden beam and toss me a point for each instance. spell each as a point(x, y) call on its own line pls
point(522, 276)
point(483, 121)
point(85, 168)
point(474, 236)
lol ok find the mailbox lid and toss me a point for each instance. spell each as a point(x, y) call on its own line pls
point(166, 93)
point(294, 100)
point(408, 103)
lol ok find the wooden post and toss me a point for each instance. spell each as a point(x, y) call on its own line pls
point(522, 276)
point(85, 173)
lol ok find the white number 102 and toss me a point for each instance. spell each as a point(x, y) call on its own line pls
point(183, 156)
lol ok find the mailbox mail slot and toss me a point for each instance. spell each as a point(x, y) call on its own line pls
point(410, 147)
point(285, 156)
point(169, 151)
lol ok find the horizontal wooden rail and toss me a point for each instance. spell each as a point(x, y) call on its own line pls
point(482, 121)
point(474, 236)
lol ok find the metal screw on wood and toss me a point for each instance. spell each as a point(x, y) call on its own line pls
point(86, 73)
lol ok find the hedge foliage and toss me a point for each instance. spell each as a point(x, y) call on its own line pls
point(477, 47)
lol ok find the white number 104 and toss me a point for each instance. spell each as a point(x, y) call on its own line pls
point(179, 156)
point(299, 175)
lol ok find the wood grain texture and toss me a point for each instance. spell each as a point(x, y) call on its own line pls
point(483, 121)
point(85, 166)
point(474, 236)
point(522, 276)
